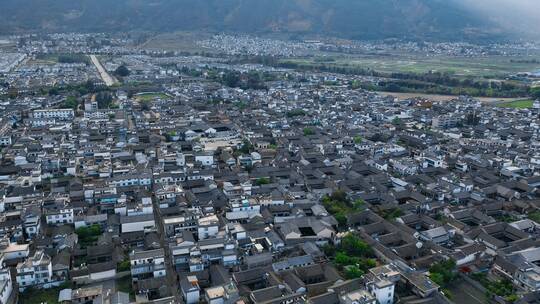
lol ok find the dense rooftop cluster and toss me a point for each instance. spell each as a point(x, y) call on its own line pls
point(180, 188)
point(252, 45)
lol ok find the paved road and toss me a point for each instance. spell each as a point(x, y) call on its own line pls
point(108, 79)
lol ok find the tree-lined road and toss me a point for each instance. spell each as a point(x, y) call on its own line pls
point(105, 76)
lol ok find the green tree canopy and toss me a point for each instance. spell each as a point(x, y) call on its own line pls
point(122, 71)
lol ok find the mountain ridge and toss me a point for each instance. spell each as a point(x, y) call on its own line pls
point(358, 19)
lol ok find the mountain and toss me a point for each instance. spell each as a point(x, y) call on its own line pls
point(357, 19)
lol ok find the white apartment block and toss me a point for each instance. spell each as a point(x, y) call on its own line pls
point(62, 114)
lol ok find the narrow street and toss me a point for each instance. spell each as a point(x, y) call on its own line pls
point(172, 278)
point(462, 292)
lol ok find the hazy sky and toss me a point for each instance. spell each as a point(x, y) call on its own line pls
point(518, 15)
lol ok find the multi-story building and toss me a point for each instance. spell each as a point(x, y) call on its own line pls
point(61, 114)
point(208, 226)
point(358, 297)
point(32, 224)
point(190, 289)
point(381, 282)
point(36, 271)
point(147, 264)
point(6, 286)
point(59, 213)
point(143, 222)
point(224, 294)
point(444, 122)
point(174, 225)
point(5, 133)
point(133, 179)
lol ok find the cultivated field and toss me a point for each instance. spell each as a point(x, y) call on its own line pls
point(436, 97)
point(517, 104)
point(493, 66)
point(147, 97)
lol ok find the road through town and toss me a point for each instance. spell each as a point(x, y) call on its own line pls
point(108, 79)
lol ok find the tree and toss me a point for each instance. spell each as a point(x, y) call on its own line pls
point(308, 131)
point(511, 298)
point(437, 278)
point(13, 93)
point(353, 272)
point(341, 219)
point(73, 58)
point(104, 99)
point(88, 235)
point(354, 246)
point(340, 196)
point(535, 92)
point(247, 147)
point(122, 71)
point(53, 91)
point(124, 265)
point(339, 205)
point(87, 87)
point(358, 204)
point(503, 288)
point(296, 112)
point(71, 102)
point(329, 250)
point(443, 273)
point(390, 214)
point(355, 84)
point(254, 81)
point(262, 181)
point(93, 230)
point(145, 106)
point(353, 256)
point(231, 79)
point(367, 263)
point(342, 258)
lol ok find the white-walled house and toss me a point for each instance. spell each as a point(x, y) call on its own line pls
point(205, 158)
point(13, 251)
point(6, 286)
point(102, 271)
point(60, 216)
point(223, 294)
point(147, 264)
point(36, 271)
point(32, 225)
point(381, 282)
point(132, 179)
point(383, 291)
point(191, 291)
point(139, 208)
point(137, 223)
point(208, 227)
